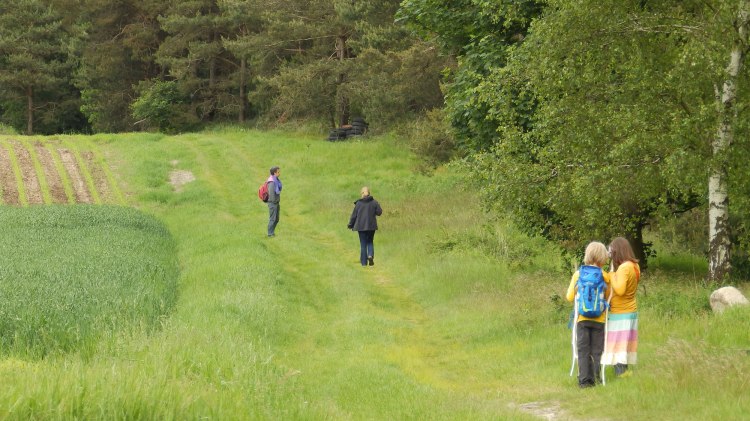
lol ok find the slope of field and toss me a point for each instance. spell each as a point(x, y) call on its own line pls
point(459, 319)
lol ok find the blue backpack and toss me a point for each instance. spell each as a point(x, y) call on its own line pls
point(590, 300)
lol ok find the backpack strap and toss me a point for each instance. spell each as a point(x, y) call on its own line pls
point(637, 272)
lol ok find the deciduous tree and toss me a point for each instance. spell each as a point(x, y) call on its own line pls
point(635, 106)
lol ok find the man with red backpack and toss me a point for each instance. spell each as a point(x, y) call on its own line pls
point(273, 184)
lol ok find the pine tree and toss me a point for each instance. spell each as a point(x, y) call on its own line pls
point(35, 59)
point(194, 55)
point(118, 52)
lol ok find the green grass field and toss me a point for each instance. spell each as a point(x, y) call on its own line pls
point(460, 318)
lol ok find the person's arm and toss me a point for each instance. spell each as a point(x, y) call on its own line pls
point(608, 280)
point(273, 196)
point(620, 279)
point(378, 209)
point(570, 295)
point(353, 218)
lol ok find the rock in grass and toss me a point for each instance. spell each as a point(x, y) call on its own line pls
point(726, 297)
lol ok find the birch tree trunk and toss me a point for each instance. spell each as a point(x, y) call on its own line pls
point(718, 198)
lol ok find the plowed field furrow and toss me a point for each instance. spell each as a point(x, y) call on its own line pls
point(54, 182)
point(100, 178)
point(76, 178)
point(28, 173)
point(8, 179)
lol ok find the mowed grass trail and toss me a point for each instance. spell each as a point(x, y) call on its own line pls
point(343, 342)
point(457, 320)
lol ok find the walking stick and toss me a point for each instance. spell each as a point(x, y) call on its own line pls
point(573, 341)
point(606, 332)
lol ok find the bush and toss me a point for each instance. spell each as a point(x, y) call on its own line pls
point(687, 232)
point(7, 130)
point(432, 138)
point(160, 106)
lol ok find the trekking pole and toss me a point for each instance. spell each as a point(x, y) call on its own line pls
point(606, 332)
point(573, 327)
point(573, 341)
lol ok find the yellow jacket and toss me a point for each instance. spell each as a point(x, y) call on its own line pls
point(625, 285)
point(573, 288)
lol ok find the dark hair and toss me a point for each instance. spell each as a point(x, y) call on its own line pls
point(621, 252)
point(274, 169)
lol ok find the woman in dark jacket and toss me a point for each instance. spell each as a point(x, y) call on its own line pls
point(364, 221)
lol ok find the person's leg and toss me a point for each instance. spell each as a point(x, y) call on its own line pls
point(363, 238)
point(371, 247)
point(583, 345)
point(278, 216)
point(597, 348)
point(273, 218)
point(620, 369)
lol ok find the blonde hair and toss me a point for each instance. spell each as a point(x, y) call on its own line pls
point(596, 254)
point(364, 192)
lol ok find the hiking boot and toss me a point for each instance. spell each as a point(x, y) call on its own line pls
point(370, 261)
point(620, 369)
point(625, 374)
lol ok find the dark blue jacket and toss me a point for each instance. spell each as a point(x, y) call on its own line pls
point(364, 214)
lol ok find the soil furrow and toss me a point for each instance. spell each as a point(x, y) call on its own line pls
point(76, 178)
point(28, 174)
point(54, 182)
point(100, 178)
point(8, 179)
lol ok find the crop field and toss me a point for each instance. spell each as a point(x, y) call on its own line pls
point(105, 271)
point(33, 172)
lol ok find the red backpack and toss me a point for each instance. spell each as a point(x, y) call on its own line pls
point(263, 191)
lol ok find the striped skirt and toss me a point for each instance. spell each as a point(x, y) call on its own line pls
point(622, 339)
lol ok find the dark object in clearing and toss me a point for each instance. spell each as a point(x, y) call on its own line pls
point(357, 128)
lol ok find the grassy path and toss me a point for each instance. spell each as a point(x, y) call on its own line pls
point(353, 341)
point(356, 336)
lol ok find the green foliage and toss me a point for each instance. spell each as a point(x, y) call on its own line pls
point(346, 59)
point(432, 139)
point(318, 61)
point(38, 54)
point(602, 119)
point(7, 130)
point(194, 55)
point(71, 275)
point(686, 232)
point(308, 91)
point(116, 54)
point(480, 35)
point(158, 107)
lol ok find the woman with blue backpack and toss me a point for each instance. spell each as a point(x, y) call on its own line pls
point(588, 288)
